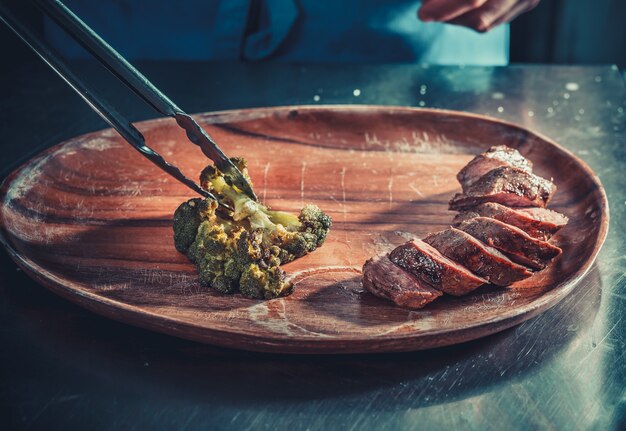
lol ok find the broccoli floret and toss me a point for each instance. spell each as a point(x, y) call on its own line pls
point(264, 283)
point(315, 222)
point(211, 251)
point(242, 249)
point(296, 235)
point(187, 219)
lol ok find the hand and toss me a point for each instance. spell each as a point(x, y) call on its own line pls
point(479, 15)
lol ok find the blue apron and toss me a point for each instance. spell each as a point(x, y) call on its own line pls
point(342, 31)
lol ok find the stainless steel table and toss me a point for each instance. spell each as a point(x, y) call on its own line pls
point(65, 368)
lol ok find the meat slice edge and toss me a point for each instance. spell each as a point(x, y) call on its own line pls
point(478, 257)
point(512, 241)
point(433, 268)
point(385, 279)
point(539, 223)
point(506, 185)
point(495, 157)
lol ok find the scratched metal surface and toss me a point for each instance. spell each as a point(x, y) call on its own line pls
point(65, 368)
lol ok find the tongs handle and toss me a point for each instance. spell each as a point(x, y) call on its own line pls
point(97, 103)
point(108, 56)
point(141, 86)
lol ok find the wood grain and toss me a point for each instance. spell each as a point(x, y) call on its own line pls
point(91, 220)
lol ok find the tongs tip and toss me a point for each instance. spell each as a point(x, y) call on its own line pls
point(200, 137)
point(237, 179)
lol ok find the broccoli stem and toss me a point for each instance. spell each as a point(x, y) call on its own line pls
point(289, 221)
point(258, 215)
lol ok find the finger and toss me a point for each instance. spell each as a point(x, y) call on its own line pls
point(484, 18)
point(445, 10)
point(515, 12)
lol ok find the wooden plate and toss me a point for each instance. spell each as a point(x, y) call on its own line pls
point(91, 220)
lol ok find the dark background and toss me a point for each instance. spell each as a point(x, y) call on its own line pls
point(571, 32)
point(556, 31)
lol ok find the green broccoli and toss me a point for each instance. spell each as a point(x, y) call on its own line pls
point(242, 249)
point(187, 219)
point(257, 282)
point(295, 235)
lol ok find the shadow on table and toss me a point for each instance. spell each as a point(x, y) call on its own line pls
point(151, 366)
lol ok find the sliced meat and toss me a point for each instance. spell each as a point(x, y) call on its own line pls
point(387, 280)
point(495, 157)
point(506, 185)
point(539, 223)
point(478, 257)
point(464, 216)
point(512, 241)
point(433, 268)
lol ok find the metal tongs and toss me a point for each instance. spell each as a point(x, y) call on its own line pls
point(136, 81)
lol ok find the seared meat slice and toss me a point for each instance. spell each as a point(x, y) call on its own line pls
point(544, 221)
point(539, 223)
point(433, 268)
point(506, 185)
point(478, 257)
point(495, 157)
point(512, 241)
point(387, 280)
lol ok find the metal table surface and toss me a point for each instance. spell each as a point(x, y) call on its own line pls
point(65, 368)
